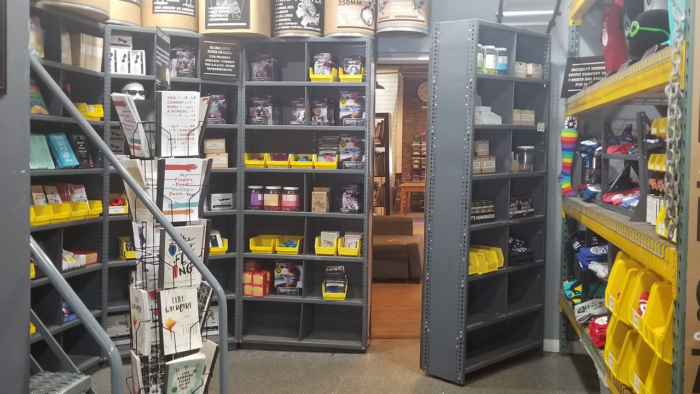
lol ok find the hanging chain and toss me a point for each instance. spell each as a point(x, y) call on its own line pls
point(675, 101)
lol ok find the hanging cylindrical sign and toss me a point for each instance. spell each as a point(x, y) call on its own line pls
point(125, 12)
point(298, 18)
point(244, 18)
point(350, 18)
point(169, 14)
point(403, 17)
point(97, 10)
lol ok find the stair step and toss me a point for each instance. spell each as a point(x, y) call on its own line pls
point(59, 383)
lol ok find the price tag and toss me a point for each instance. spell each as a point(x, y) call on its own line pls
point(636, 383)
point(540, 127)
point(635, 320)
point(611, 303)
point(610, 361)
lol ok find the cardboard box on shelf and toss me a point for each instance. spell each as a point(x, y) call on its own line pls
point(476, 166)
point(215, 145)
point(321, 200)
point(534, 71)
point(220, 160)
point(488, 165)
point(481, 148)
point(521, 69)
point(528, 118)
point(517, 116)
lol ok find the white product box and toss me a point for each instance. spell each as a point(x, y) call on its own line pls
point(137, 62)
point(122, 59)
point(215, 145)
point(220, 160)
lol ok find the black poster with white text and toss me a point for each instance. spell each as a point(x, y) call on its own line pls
point(227, 14)
point(581, 72)
point(298, 15)
point(162, 60)
point(184, 7)
point(219, 60)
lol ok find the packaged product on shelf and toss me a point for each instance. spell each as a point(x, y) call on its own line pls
point(217, 110)
point(352, 152)
point(323, 112)
point(352, 199)
point(520, 207)
point(80, 148)
point(248, 277)
point(69, 263)
point(352, 109)
point(290, 199)
point(272, 198)
point(481, 148)
point(137, 62)
point(288, 279)
point(488, 165)
point(264, 67)
point(52, 195)
point(66, 55)
point(528, 117)
point(502, 61)
point(122, 60)
point(67, 313)
point(476, 165)
point(298, 112)
point(221, 201)
point(352, 239)
point(264, 110)
point(118, 329)
point(329, 238)
point(525, 156)
point(182, 61)
point(38, 196)
point(534, 71)
point(321, 200)
point(36, 41)
point(323, 64)
point(252, 265)
point(215, 240)
point(256, 198)
point(84, 258)
point(521, 69)
point(63, 155)
point(214, 145)
point(335, 279)
point(353, 65)
point(219, 160)
point(482, 211)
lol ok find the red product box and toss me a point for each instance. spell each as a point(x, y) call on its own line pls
point(89, 258)
point(260, 279)
point(252, 265)
point(261, 291)
point(247, 290)
point(248, 277)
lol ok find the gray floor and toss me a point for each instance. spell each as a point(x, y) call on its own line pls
point(391, 366)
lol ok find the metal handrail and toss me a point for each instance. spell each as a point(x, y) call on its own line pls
point(152, 207)
point(83, 313)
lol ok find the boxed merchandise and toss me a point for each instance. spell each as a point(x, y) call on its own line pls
point(517, 116)
point(122, 60)
point(219, 201)
point(528, 118)
point(352, 153)
point(351, 201)
point(481, 148)
point(69, 263)
point(521, 69)
point(217, 110)
point(118, 329)
point(329, 238)
point(80, 44)
point(352, 109)
point(182, 61)
point(248, 277)
point(335, 281)
point(520, 207)
point(260, 291)
point(323, 112)
point(219, 160)
point(85, 258)
point(214, 145)
point(323, 64)
point(298, 112)
point(264, 67)
point(534, 71)
point(488, 165)
point(79, 143)
point(476, 165)
point(321, 200)
point(264, 110)
point(66, 55)
point(248, 290)
point(38, 196)
point(352, 239)
point(252, 265)
point(353, 65)
point(288, 279)
point(36, 38)
point(137, 63)
point(482, 211)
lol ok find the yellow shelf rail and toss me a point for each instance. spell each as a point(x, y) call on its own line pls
point(577, 9)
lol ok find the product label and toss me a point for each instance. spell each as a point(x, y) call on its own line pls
point(490, 62)
point(355, 14)
point(611, 361)
point(636, 383)
point(489, 164)
point(611, 303)
point(403, 10)
point(183, 7)
point(256, 199)
point(635, 320)
point(220, 60)
point(272, 200)
point(229, 14)
point(306, 15)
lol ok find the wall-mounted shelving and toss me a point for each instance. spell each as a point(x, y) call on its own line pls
point(472, 321)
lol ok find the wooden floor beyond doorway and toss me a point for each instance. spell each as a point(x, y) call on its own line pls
point(396, 309)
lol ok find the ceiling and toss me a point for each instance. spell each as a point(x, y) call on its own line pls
point(532, 14)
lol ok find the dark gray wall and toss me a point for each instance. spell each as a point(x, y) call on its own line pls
point(14, 196)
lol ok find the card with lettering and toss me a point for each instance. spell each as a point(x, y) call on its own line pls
point(179, 316)
point(140, 320)
point(184, 375)
point(180, 182)
point(176, 269)
point(178, 114)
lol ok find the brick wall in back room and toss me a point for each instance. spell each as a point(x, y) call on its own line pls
point(415, 120)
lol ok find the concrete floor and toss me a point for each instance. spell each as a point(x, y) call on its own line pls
point(391, 366)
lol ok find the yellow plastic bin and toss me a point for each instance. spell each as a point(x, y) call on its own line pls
point(658, 321)
point(220, 249)
point(285, 250)
point(325, 165)
point(352, 78)
point(119, 209)
point(622, 364)
point(61, 212)
point(124, 246)
point(326, 250)
point(498, 251)
point(490, 256)
point(323, 78)
point(473, 263)
point(79, 210)
point(484, 266)
point(42, 214)
point(264, 244)
point(349, 252)
point(94, 209)
point(293, 160)
point(645, 280)
point(334, 296)
point(615, 339)
point(659, 379)
point(32, 216)
point(276, 163)
point(617, 280)
point(641, 364)
point(255, 160)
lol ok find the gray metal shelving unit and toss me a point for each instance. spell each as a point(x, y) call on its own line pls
point(471, 322)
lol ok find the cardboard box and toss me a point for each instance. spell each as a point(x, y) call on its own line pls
point(517, 116)
point(220, 160)
point(260, 278)
point(521, 69)
point(481, 148)
point(248, 290)
point(66, 54)
point(79, 49)
point(476, 166)
point(528, 118)
point(321, 200)
point(248, 277)
point(534, 71)
point(261, 291)
point(97, 53)
point(252, 265)
point(69, 263)
point(215, 145)
point(85, 258)
point(488, 165)
point(288, 279)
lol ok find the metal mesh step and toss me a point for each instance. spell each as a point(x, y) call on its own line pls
point(59, 383)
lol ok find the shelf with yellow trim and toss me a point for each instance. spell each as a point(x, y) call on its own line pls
point(645, 79)
point(639, 240)
point(577, 9)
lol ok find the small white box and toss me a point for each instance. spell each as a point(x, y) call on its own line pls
point(481, 148)
point(137, 62)
point(221, 201)
point(122, 59)
point(476, 165)
point(220, 160)
point(534, 71)
point(118, 41)
point(521, 69)
point(528, 118)
point(488, 165)
point(215, 145)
